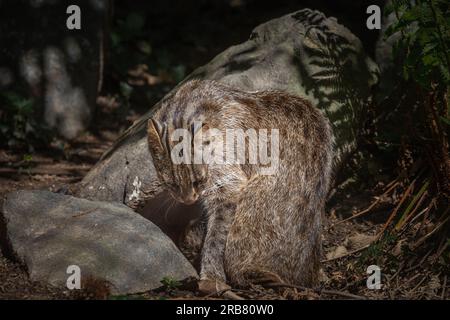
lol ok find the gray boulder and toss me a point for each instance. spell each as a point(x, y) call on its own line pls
point(57, 68)
point(304, 53)
point(108, 241)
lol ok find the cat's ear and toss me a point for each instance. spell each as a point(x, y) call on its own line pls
point(155, 135)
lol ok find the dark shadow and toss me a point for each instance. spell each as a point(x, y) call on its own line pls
point(5, 244)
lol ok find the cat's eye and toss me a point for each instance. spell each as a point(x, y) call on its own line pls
point(181, 153)
point(195, 184)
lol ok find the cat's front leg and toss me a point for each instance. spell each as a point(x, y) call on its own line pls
point(219, 218)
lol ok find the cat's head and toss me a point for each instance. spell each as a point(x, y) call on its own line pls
point(180, 174)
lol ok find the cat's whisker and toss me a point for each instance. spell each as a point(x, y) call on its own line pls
point(164, 203)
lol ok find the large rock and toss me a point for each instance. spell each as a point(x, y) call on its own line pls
point(304, 53)
point(108, 241)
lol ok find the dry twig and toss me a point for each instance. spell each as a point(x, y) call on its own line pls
point(318, 291)
point(390, 187)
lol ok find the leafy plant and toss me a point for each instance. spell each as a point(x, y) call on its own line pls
point(377, 250)
point(422, 56)
point(170, 283)
point(424, 44)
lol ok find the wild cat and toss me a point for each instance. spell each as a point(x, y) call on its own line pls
point(255, 224)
